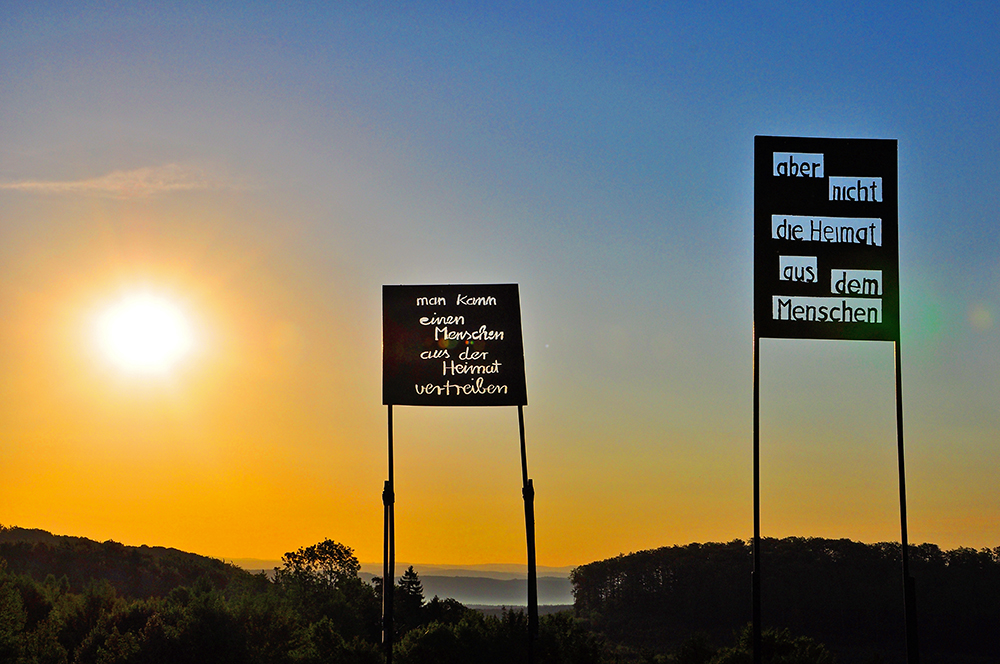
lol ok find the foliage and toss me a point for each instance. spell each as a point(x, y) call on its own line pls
point(319, 611)
point(322, 643)
point(12, 616)
point(447, 611)
point(776, 647)
point(657, 598)
point(483, 639)
point(845, 594)
point(133, 571)
point(327, 565)
point(316, 611)
point(71, 601)
point(321, 581)
point(408, 601)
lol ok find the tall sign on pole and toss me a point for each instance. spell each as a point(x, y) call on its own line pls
point(826, 254)
point(826, 266)
point(451, 345)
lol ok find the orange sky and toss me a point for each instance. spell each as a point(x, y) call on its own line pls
point(268, 436)
point(270, 171)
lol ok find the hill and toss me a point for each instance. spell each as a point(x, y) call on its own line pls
point(70, 599)
point(471, 590)
point(153, 571)
point(133, 571)
point(845, 594)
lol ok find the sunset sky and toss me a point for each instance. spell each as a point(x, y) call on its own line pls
point(263, 169)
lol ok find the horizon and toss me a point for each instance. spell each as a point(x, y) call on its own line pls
point(200, 206)
point(497, 571)
point(483, 586)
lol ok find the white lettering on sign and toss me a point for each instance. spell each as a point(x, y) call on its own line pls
point(856, 282)
point(468, 300)
point(442, 320)
point(844, 230)
point(482, 334)
point(466, 368)
point(798, 165)
point(826, 309)
point(798, 268)
point(858, 190)
point(454, 345)
point(478, 386)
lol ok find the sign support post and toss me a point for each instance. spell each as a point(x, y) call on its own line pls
point(826, 266)
point(755, 574)
point(388, 553)
point(454, 345)
point(909, 585)
point(528, 492)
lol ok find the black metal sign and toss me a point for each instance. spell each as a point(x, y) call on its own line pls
point(826, 255)
point(452, 346)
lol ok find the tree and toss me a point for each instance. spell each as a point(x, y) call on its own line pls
point(328, 564)
point(322, 581)
point(778, 646)
point(448, 611)
point(12, 616)
point(411, 587)
point(409, 599)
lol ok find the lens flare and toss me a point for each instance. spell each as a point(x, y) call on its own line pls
point(980, 317)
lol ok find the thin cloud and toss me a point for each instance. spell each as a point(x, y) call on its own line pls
point(135, 183)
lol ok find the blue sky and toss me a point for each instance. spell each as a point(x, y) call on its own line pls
point(286, 161)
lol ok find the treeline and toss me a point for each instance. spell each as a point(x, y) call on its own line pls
point(845, 594)
point(74, 601)
point(141, 571)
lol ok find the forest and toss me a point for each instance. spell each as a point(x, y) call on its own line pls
point(844, 594)
point(67, 600)
point(70, 600)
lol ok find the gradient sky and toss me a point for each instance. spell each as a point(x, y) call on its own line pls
point(270, 167)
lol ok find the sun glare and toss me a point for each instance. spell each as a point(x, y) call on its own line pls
point(144, 333)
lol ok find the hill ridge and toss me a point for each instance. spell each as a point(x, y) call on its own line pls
point(133, 571)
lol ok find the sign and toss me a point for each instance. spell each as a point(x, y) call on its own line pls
point(452, 346)
point(826, 254)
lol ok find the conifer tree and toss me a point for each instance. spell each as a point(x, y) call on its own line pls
point(409, 599)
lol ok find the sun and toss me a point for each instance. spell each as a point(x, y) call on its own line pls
point(144, 333)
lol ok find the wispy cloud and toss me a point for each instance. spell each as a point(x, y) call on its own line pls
point(135, 183)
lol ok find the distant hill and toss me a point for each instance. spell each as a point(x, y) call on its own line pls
point(134, 571)
point(512, 592)
point(144, 571)
point(490, 585)
point(848, 595)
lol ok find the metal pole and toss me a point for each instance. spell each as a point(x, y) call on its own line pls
point(909, 589)
point(755, 574)
point(388, 553)
point(528, 493)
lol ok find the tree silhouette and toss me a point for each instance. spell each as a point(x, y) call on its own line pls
point(322, 582)
point(778, 646)
point(12, 616)
point(409, 599)
point(327, 564)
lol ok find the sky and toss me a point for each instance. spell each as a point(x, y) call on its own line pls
point(267, 167)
